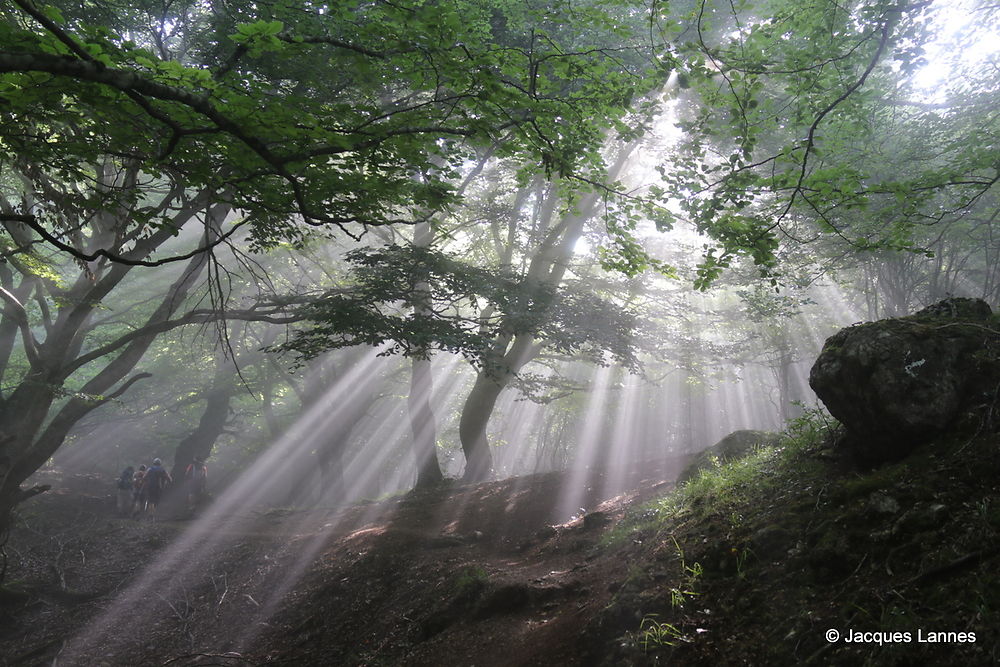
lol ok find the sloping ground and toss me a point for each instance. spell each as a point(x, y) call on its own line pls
point(751, 564)
point(795, 557)
point(87, 588)
point(476, 575)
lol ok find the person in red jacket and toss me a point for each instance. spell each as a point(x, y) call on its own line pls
point(196, 477)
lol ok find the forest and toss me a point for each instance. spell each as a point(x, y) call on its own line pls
point(499, 333)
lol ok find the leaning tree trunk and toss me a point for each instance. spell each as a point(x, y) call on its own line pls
point(475, 418)
point(510, 352)
point(199, 443)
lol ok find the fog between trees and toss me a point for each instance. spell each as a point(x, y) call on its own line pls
point(469, 238)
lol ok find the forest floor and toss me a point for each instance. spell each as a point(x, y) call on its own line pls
point(750, 565)
point(384, 580)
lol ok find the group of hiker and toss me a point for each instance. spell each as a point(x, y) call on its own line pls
point(140, 491)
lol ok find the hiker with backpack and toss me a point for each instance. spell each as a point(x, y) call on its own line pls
point(123, 495)
point(196, 478)
point(154, 482)
point(138, 497)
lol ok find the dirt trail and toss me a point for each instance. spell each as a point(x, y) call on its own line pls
point(478, 575)
point(753, 571)
point(495, 573)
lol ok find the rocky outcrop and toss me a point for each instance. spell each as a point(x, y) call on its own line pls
point(734, 446)
point(896, 383)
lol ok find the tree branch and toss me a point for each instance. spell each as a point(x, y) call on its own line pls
point(810, 141)
point(122, 389)
point(340, 44)
point(21, 316)
point(32, 222)
point(124, 81)
point(201, 316)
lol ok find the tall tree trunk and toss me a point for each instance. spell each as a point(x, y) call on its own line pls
point(423, 426)
point(422, 422)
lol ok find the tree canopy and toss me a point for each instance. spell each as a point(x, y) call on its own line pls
point(294, 112)
point(812, 119)
point(469, 307)
point(198, 135)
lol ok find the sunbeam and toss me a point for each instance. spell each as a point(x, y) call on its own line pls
point(497, 333)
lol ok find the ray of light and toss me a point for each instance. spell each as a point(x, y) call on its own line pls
point(223, 522)
point(590, 443)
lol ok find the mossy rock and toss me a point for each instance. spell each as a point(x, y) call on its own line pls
point(898, 383)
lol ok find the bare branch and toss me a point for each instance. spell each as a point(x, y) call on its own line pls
point(340, 44)
point(122, 389)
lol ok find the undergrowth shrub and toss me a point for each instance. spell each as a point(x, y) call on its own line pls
point(470, 582)
point(722, 488)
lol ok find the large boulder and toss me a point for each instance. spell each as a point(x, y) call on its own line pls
point(896, 383)
point(734, 446)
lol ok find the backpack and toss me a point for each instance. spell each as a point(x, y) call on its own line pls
point(155, 477)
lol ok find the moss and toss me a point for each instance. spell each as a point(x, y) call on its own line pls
point(863, 486)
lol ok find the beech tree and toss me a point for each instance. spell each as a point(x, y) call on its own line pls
point(412, 300)
point(125, 126)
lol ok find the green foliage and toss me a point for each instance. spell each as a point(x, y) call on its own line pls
point(690, 575)
point(655, 634)
point(742, 556)
point(725, 485)
point(725, 489)
point(811, 428)
point(259, 37)
point(470, 582)
point(31, 263)
point(288, 110)
point(718, 489)
point(807, 119)
point(411, 300)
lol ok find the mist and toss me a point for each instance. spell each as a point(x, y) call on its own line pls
point(485, 275)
